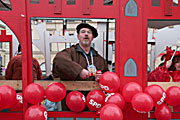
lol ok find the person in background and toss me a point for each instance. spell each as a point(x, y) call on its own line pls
point(14, 68)
point(170, 71)
point(80, 62)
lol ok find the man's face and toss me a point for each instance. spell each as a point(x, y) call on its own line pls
point(85, 37)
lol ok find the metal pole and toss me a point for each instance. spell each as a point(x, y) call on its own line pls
point(64, 26)
point(107, 39)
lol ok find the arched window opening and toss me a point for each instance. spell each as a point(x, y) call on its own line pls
point(130, 68)
point(131, 9)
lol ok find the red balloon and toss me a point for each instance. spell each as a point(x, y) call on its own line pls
point(163, 112)
point(18, 106)
point(34, 93)
point(115, 98)
point(173, 96)
point(95, 100)
point(36, 112)
point(111, 112)
point(76, 101)
point(157, 93)
point(130, 89)
point(109, 82)
point(55, 92)
point(8, 96)
point(142, 102)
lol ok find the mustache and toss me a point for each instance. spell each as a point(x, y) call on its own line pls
point(86, 37)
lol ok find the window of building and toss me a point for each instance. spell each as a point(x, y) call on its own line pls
point(34, 1)
point(155, 3)
point(51, 1)
point(108, 2)
point(5, 5)
point(71, 2)
point(91, 2)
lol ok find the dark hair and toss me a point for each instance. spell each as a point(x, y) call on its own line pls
point(19, 48)
point(175, 60)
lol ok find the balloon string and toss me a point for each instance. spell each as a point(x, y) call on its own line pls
point(171, 79)
point(174, 53)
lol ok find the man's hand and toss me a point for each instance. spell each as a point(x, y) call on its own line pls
point(85, 74)
point(168, 64)
point(98, 75)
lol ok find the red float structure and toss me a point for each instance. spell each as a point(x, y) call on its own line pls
point(131, 20)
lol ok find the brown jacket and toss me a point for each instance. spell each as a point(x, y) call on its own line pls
point(14, 69)
point(68, 63)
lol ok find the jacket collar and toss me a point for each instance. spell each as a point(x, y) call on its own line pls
point(79, 49)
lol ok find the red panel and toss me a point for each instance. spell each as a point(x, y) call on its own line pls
point(168, 7)
point(174, 115)
point(73, 114)
point(131, 38)
point(11, 116)
point(58, 6)
point(98, 10)
point(16, 21)
point(131, 45)
point(86, 7)
point(6, 38)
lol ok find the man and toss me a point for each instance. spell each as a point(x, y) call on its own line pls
point(14, 68)
point(80, 61)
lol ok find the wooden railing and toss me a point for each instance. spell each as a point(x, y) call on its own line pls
point(70, 85)
point(77, 85)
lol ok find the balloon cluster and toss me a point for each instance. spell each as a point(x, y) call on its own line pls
point(34, 94)
point(162, 99)
point(142, 101)
point(108, 102)
point(153, 96)
point(114, 102)
point(97, 100)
